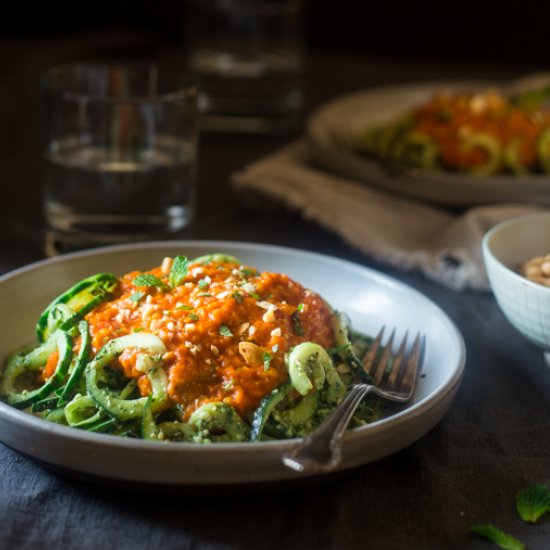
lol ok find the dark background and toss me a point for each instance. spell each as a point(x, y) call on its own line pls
point(391, 41)
point(483, 31)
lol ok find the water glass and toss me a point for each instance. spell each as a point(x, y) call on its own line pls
point(247, 57)
point(119, 150)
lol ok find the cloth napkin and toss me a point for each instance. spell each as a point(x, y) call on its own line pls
point(411, 235)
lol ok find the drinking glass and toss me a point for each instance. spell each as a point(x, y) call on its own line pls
point(247, 57)
point(119, 150)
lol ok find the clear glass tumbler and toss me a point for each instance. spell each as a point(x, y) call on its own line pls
point(247, 57)
point(120, 154)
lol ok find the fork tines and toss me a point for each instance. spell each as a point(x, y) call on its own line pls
point(390, 370)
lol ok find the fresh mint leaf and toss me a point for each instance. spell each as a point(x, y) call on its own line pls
point(500, 538)
point(178, 271)
point(533, 502)
point(137, 296)
point(266, 358)
point(204, 283)
point(148, 279)
point(225, 331)
point(296, 324)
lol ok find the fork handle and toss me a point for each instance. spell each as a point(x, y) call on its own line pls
point(322, 450)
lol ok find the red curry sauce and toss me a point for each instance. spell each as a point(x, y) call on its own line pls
point(226, 329)
point(449, 118)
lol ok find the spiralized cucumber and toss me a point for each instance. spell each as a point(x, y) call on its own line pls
point(80, 299)
point(314, 389)
point(32, 362)
point(149, 363)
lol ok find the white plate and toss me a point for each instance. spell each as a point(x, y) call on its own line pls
point(351, 114)
point(371, 299)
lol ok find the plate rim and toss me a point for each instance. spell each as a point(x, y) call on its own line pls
point(329, 154)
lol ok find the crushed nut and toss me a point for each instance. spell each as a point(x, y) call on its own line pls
point(269, 316)
point(251, 353)
point(166, 265)
point(537, 269)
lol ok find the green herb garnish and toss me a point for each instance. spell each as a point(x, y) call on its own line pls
point(238, 297)
point(178, 271)
point(228, 385)
point(137, 296)
point(192, 317)
point(500, 538)
point(224, 330)
point(533, 502)
point(266, 358)
point(339, 349)
point(148, 279)
point(185, 308)
point(204, 283)
point(296, 324)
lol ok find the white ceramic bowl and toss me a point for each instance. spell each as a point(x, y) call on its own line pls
point(370, 299)
point(505, 247)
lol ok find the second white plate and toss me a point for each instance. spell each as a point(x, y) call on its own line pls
point(352, 114)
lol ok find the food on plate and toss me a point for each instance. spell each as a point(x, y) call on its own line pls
point(471, 132)
point(537, 269)
point(203, 350)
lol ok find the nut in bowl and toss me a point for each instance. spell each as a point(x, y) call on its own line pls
point(515, 255)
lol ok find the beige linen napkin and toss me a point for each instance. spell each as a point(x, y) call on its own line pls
point(411, 235)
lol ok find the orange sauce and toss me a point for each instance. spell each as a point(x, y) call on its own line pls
point(449, 119)
point(207, 323)
point(50, 366)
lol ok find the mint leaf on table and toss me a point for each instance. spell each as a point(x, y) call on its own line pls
point(533, 502)
point(178, 271)
point(500, 538)
point(148, 279)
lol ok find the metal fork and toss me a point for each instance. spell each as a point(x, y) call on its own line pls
point(394, 378)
